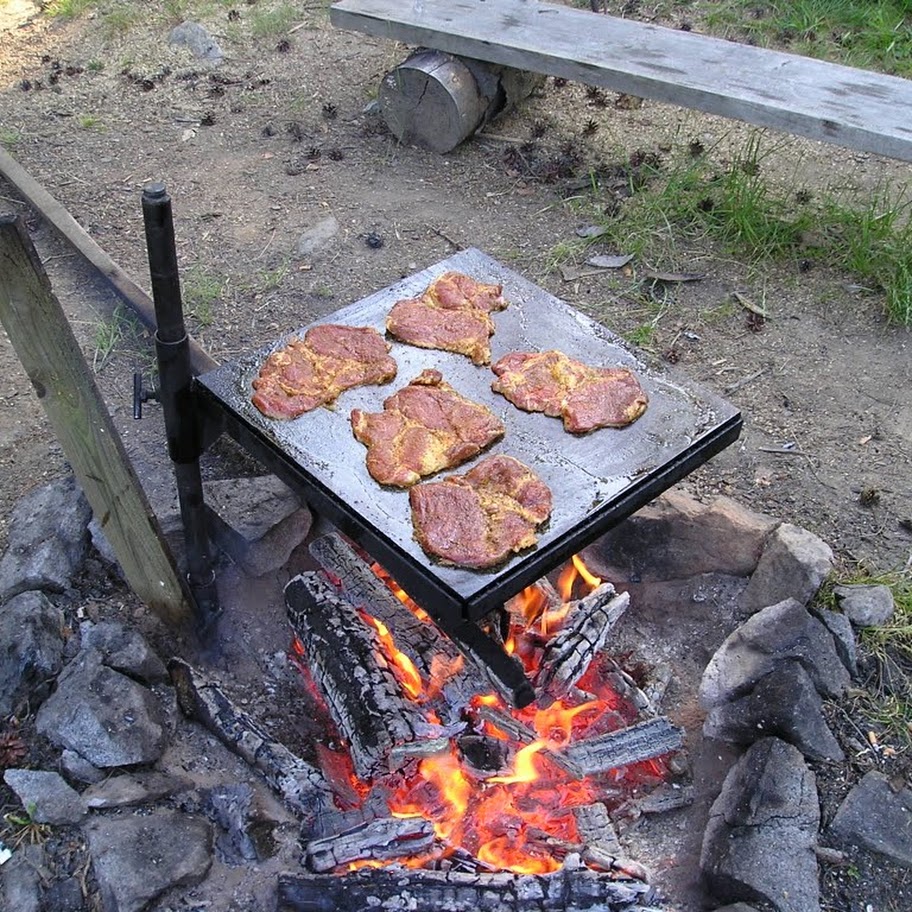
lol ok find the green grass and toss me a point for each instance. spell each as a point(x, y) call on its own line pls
point(88, 121)
point(732, 202)
point(201, 291)
point(68, 9)
point(272, 22)
point(874, 34)
point(109, 333)
point(888, 703)
point(9, 137)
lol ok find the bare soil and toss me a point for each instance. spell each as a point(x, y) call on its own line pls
point(278, 137)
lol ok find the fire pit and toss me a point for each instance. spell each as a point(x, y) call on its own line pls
point(438, 775)
point(597, 479)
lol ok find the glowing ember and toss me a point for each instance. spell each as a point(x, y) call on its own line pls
point(506, 817)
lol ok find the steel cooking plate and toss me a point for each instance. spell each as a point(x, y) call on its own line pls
point(596, 479)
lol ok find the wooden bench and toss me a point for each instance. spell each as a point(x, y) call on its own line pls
point(842, 105)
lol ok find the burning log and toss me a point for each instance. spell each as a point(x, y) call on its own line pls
point(581, 638)
point(520, 732)
point(385, 839)
point(301, 785)
point(345, 659)
point(437, 659)
point(621, 748)
point(491, 668)
point(571, 888)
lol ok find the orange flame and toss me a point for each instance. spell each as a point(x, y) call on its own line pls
point(403, 666)
point(575, 570)
point(508, 820)
point(524, 769)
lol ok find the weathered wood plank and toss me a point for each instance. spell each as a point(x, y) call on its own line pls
point(50, 354)
point(822, 101)
point(72, 232)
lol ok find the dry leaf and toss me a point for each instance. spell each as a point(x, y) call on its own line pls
point(591, 231)
point(748, 304)
point(610, 262)
point(657, 276)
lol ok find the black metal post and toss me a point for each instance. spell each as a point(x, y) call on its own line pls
point(182, 420)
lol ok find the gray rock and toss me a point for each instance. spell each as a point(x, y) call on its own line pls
point(878, 818)
point(129, 789)
point(64, 896)
point(31, 650)
point(103, 715)
point(45, 796)
point(786, 704)
point(317, 236)
point(138, 857)
point(676, 537)
point(125, 650)
point(843, 637)
point(21, 879)
point(200, 42)
point(48, 540)
point(759, 841)
point(866, 605)
point(794, 563)
point(103, 547)
point(77, 769)
point(765, 641)
point(736, 907)
point(258, 522)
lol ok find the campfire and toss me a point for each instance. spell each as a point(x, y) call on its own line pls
point(437, 772)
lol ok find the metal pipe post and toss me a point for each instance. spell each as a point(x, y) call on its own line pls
point(182, 421)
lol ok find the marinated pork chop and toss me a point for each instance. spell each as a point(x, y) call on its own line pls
point(453, 314)
point(313, 371)
point(479, 519)
point(425, 427)
point(585, 397)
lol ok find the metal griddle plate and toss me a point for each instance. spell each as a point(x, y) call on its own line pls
point(596, 479)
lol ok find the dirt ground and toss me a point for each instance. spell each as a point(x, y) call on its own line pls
point(278, 137)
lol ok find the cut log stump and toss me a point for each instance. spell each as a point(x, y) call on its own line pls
point(436, 100)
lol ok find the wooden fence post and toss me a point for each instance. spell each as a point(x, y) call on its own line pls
point(47, 348)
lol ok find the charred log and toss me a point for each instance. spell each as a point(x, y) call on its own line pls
point(643, 741)
point(386, 839)
point(437, 659)
point(570, 888)
point(484, 756)
point(488, 667)
point(301, 785)
point(345, 659)
point(581, 638)
point(596, 828)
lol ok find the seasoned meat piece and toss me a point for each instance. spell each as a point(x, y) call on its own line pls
point(425, 427)
point(479, 519)
point(584, 397)
point(453, 314)
point(313, 371)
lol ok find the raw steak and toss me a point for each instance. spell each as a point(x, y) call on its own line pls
point(453, 314)
point(479, 519)
point(585, 397)
point(312, 371)
point(423, 428)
